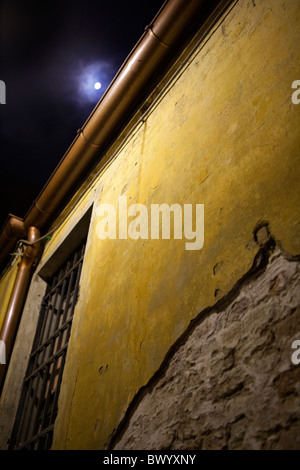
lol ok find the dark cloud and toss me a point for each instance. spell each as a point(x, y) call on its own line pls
point(51, 53)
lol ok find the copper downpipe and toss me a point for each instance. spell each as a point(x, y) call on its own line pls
point(12, 230)
point(17, 298)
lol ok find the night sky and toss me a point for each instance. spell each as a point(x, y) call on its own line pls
point(51, 54)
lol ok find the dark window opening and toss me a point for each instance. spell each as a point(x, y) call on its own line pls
point(37, 410)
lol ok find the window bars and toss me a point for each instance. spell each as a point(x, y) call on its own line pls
point(37, 410)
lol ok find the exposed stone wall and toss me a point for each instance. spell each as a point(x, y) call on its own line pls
point(231, 384)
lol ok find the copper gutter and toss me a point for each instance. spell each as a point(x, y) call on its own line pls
point(17, 299)
point(168, 29)
point(159, 42)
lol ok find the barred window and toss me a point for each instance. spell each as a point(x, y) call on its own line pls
point(37, 410)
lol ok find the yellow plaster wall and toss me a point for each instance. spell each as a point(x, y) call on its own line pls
point(226, 135)
point(6, 287)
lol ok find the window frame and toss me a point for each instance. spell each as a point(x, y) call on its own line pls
point(37, 410)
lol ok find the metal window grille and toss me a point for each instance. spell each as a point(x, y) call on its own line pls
point(38, 405)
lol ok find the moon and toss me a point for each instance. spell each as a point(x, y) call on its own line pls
point(91, 80)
